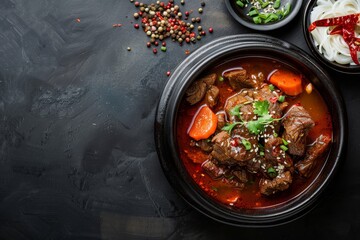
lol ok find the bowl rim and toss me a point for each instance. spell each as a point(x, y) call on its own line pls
point(348, 69)
point(264, 27)
point(164, 133)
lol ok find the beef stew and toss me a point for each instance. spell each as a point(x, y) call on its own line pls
point(266, 147)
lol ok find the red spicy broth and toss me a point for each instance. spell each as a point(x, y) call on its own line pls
point(221, 190)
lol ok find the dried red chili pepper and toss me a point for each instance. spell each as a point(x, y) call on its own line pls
point(342, 20)
point(345, 26)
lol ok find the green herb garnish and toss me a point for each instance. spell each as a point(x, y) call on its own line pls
point(271, 87)
point(229, 127)
point(285, 142)
point(261, 109)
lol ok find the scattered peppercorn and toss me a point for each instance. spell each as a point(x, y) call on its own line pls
point(162, 20)
point(163, 49)
point(168, 73)
point(211, 30)
point(78, 20)
point(129, 49)
point(202, 4)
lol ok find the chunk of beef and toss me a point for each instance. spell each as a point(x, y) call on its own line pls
point(280, 183)
point(203, 144)
point(220, 150)
point(247, 112)
point(212, 169)
point(239, 152)
point(241, 175)
point(316, 150)
point(276, 155)
point(212, 96)
point(273, 150)
point(239, 79)
point(297, 124)
point(254, 165)
point(230, 150)
point(196, 92)
point(209, 79)
point(221, 120)
point(236, 100)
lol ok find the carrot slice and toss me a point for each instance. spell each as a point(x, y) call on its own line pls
point(203, 124)
point(288, 82)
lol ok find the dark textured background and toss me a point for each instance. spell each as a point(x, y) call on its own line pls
point(77, 154)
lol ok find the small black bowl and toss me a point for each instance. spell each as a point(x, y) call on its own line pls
point(213, 53)
point(240, 14)
point(350, 69)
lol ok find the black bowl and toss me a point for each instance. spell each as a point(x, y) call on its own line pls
point(351, 69)
point(221, 50)
point(240, 14)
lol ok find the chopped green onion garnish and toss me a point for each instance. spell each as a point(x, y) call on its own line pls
point(240, 3)
point(284, 148)
point(272, 172)
point(253, 13)
point(257, 20)
point(281, 98)
point(262, 153)
point(277, 4)
point(246, 144)
point(271, 17)
point(285, 142)
point(287, 9)
point(271, 87)
point(221, 79)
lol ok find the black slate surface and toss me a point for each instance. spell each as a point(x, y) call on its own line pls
point(77, 154)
